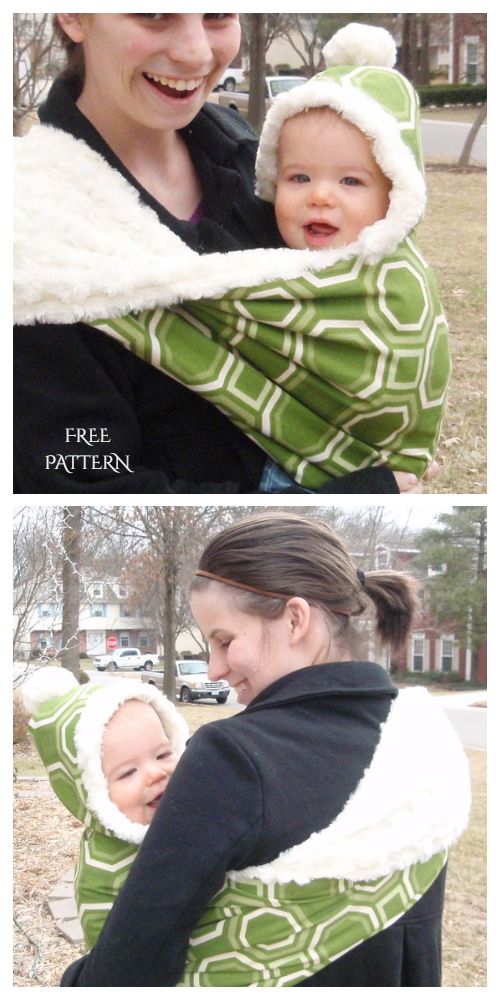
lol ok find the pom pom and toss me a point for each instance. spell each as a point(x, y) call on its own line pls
point(44, 684)
point(360, 45)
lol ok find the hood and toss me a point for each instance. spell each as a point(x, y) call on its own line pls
point(67, 725)
point(361, 86)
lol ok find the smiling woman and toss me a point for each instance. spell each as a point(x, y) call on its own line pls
point(295, 833)
point(131, 159)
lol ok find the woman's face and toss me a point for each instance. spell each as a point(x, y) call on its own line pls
point(154, 70)
point(249, 652)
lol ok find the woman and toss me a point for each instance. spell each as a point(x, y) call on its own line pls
point(294, 836)
point(91, 417)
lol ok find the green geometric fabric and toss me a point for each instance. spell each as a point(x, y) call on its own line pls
point(103, 866)
point(392, 91)
point(104, 860)
point(53, 731)
point(336, 371)
point(260, 935)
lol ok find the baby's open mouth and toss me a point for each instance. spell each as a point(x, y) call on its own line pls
point(155, 802)
point(180, 89)
point(321, 229)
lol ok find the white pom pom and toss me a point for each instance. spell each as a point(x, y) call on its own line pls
point(360, 45)
point(44, 684)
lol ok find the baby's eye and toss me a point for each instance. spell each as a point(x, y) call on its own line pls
point(300, 178)
point(152, 17)
point(164, 755)
point(217, 17)
point(127, 774)
point(350, 181)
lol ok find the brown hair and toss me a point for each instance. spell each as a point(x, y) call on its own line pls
point(75, 64)
point(301, 556)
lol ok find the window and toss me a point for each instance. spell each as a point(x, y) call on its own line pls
point(124, 640)
point(418, 650)
point(46, 610)
point(97, 611)
point(124, 611)
point(446, 655)
point(471, 60)
point(96, 590)
point(143, 642)
point(382, 557)
point(121, 590)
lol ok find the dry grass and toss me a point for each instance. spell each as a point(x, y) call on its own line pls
point(46, 841)
point(453, 238)
point(464, 936)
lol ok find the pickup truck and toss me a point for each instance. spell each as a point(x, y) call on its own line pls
point(191, 682)
point(274, 85)
point(126, 659)
point(230, 78)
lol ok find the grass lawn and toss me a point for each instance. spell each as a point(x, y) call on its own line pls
point(453, 239)
point(464, 930)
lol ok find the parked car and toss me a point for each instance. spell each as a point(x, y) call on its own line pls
point(230, 78)
point(274, 85)
point(126, 659)
point(192, 682)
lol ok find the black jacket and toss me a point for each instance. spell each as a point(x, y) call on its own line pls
point(246, 789)
point(69, 376)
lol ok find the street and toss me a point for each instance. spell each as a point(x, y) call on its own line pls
point(470, 724)
point(447, 139)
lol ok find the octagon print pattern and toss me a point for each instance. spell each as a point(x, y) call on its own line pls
point(331, 372)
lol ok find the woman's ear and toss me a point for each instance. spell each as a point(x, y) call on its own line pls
point(72, 25)
point(299, 618)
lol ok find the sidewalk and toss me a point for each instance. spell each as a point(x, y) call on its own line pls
point(62, 906)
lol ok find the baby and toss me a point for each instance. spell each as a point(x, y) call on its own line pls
point(329, 187)
point(110, 750)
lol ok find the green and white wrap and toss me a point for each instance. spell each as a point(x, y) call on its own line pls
point(68, 727)
point(330, 360)
point(279, 923)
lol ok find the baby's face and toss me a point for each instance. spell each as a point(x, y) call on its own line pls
point(137, 760)
point(329, 184)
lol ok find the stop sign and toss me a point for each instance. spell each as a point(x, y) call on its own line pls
point(112, 642)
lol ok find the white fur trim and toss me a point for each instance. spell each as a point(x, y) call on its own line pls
point(44, 684)
point(360, 45)
point(412, 802)
point(86, 248)
point(408, 195)
point(89, 732)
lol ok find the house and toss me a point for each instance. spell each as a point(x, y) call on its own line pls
point(430, 649)
point(103, 614)
point(457, 47)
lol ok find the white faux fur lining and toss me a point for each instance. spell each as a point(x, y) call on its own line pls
point(86, 248)
point(89, 733)
point(412, 802)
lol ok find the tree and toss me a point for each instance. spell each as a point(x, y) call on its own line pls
point(414, 57)
point(454, 557)
point(36, 558)
point(34, 59)
point(256, 96)
point(465, 155)
point(70, 632)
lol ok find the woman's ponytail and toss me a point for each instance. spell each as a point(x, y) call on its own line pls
point(397, 604)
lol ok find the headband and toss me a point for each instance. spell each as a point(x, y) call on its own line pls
point(256, 590)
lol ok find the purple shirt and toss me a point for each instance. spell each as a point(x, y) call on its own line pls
point(197, 214)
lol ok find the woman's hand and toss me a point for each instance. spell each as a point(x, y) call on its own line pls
point(408, 482)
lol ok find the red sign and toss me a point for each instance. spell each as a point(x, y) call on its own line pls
point(112, 642)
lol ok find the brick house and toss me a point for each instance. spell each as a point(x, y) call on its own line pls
point(468, 47)
point(430, 649)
